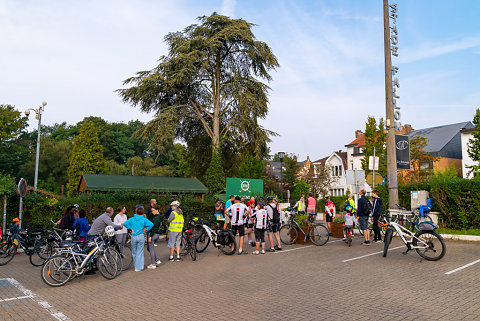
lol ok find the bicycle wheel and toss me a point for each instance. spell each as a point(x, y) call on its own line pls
point(319, 234)
point(57, 270)
point(118, 259)
point(107, 265)
point(387, 239)
point(230, 246)
point(288, 234)
point(434, 244)
point(41, 252)
point(192, 250)
point(201, 242)
point(349, 241)
point(127, 258)
point(7, 252)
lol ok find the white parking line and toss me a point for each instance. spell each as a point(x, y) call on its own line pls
point(17, 298)
point(366, 255)
point(463, 267)
point(297, 248)
point(36, 298)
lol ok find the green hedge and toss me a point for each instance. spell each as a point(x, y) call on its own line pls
point(38, 209)
point(457, 200)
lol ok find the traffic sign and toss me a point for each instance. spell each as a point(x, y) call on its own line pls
point(22, 187)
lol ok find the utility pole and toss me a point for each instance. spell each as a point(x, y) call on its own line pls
point(391, 152)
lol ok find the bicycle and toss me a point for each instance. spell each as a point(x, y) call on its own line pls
point(72, 261)
point(348, 237)
point(416, 223)
point(222, 239)
point(318, 233)
point(424, 242)
point(187, 245)
point(32, 243)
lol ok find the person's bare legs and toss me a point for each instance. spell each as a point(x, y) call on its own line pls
point(270, 239)
point(277, 237)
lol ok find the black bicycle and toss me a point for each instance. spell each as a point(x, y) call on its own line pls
point(318, 233)
point(188, 245)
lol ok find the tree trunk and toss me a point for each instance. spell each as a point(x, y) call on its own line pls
point(216, 107)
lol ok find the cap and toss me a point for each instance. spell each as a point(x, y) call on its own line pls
point(237, 198)
point(175, 203)
point(16, 219)
point(76, 205)
point(218, 200)
point(139, 206)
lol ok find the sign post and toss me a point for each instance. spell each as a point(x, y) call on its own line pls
point(373, 165)
point(402, 147)
point(22, 190)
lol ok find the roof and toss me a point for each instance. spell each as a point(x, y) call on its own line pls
point(358, 142)
point(102, 182)
point(342, 155)
point(445, 141)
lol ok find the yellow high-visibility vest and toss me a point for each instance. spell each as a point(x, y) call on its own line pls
point(299, 206)
point(177, 224)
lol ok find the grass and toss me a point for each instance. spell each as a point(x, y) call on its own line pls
point(459, 232)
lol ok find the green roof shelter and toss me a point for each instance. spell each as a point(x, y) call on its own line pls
point(172, 185)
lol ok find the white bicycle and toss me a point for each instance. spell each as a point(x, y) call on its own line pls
point(428, 243)
point(222, 239)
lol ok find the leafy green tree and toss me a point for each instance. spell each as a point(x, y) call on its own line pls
point(300, 187)
point(53, 164)
point(291, 168)
point(147, 167)
point(12, 126)
point(251, 167)
point(215, 178)
point(422, 162)
point(375, 138)
point(211, 75)
point(87, 156)
point(474, 143)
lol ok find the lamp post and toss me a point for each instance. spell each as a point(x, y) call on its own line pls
point(281, 155)
point(38, 111)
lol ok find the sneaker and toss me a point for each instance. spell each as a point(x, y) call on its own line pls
point(263, 252)
point(138, 270)
point(155, 245)
point(344, 239)
point(366, 243)
point(244, 252)
point(178, 259)
point(158, 262)
point(377, 241)
point(152, 266)
point(277, 248)
point(171, 259)
point(270, 250)
point(255, 252)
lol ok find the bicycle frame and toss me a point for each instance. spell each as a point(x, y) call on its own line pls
point(211, 234)
point(402, 232)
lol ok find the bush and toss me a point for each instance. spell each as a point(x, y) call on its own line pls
point(38, 209)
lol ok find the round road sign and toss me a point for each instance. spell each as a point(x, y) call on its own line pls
point(22, 187)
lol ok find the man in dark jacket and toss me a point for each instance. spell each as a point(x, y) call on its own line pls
point(376, 212)
point(363, 216)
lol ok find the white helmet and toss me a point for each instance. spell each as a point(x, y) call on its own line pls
point(175, 203)
point(110, 231)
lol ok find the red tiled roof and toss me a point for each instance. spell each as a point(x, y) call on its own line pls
point(358, 142)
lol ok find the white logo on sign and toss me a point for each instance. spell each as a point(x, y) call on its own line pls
point(245, 185)
point(402, 145)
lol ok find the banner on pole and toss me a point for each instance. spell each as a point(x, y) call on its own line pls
point(244, 187)
point(402, 148)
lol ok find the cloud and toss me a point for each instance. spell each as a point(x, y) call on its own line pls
point(426, 51)
point(228, 8)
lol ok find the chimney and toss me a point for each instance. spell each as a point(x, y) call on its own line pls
point(358, 133)
point(407, 128)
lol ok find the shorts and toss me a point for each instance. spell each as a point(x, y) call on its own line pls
point(239, 228)
point(260, 235)
point(363, 221)
point(174, 239)
point(274, 228)
point(329, 218)
point(227, 219)
point(249, 225)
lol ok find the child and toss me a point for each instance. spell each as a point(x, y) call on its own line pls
point(349, 220)
point(175, 227)
point(139, 226)
point(260, 226)
point(80, 225)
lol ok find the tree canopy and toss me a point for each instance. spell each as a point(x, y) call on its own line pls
point(212, 78)
point(375, 138)
point(474, 143)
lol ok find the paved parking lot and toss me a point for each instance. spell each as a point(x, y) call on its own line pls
point(303, 282)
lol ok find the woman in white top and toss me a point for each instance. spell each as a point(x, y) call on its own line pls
point(119, 219)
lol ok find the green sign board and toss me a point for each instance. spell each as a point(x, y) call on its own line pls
point(244, 187)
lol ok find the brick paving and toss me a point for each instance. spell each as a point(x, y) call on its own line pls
point(308, 283)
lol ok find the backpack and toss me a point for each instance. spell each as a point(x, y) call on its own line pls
point(367, 208)
point(276, 214)
point(347, 203)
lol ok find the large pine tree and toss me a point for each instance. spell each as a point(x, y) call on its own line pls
point(87, 156)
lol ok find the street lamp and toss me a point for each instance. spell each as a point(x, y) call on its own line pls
point(281, 155)
point(38, 116)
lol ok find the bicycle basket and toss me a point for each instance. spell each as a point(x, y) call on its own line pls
point(427, 226)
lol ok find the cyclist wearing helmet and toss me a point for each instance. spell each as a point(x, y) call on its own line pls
point(349, 221)
point(239, 211)
point(329, 211)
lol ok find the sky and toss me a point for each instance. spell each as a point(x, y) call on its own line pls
point(75, 54)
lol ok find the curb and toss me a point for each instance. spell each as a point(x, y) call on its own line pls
point(456, 237)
